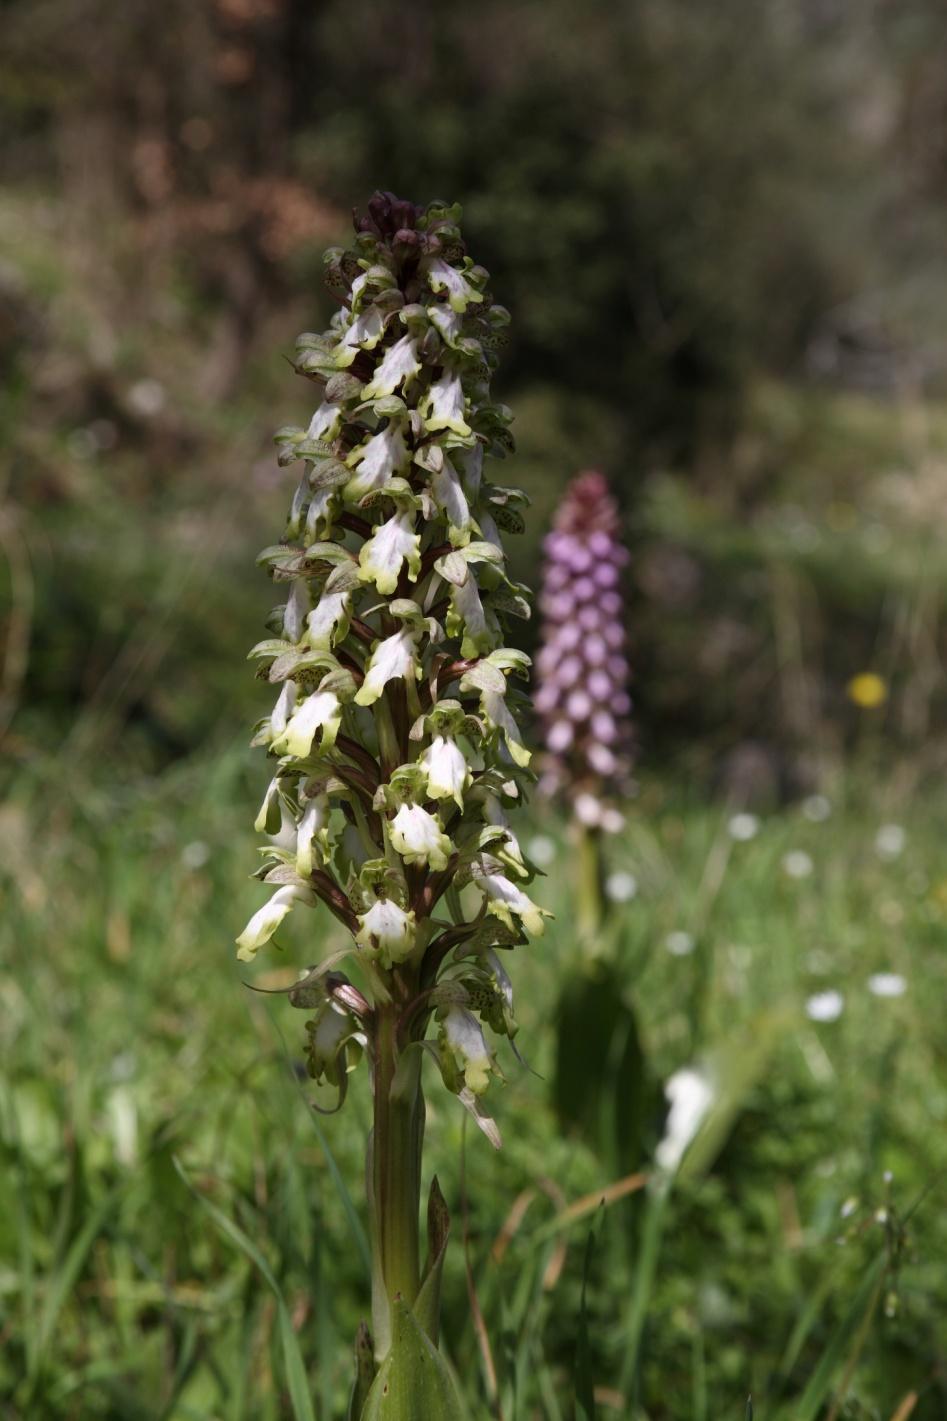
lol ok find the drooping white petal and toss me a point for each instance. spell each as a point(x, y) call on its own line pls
point(294, 613)
point(400, 363)
point(418, 838)
point(462, 1037)
point(450, 498)
point(388, 930)
point(447, 322)
point(510, 853)
point(447, 772)
point(311, 829)
point(325, 422)
point(443, 406)
point(393, 658)
point(364, 333)
point(281, 711)
point(327, 1032)
point(268, 806)
point(267, 919)
point(379, 459)
point(391, 544)
point(285, 836)
point(318, 516)
point(443, 277)
point(497, 712)
point(468, 615)
point(322, 710)
point(328, 620)
point(502, 979)
point(489, 530)
point(505, 899)
point(470, 466)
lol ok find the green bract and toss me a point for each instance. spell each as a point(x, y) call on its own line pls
point(395, 728)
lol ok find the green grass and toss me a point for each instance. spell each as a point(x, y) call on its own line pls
point(176, 1224)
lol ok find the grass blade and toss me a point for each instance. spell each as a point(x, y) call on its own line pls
point(584, 1388)
point(296, 1378)
point(810, 1404)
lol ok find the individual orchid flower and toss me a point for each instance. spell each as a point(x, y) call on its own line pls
point(448, 773)
point(320, 711)
point(388, 931)
point(443, 406)
point(506, 899)
point(465, 1055)
point(399, 366)
point(460, 292)
point(329, 1031)
point(393, 544)
point(329, 621)
point(393, 659)
point(398, 757)
point(450, 498)
point(363, 333)
point(325, 422)
point(311, 832)
point(267, 919)
point(377, 461)
point(417, 836)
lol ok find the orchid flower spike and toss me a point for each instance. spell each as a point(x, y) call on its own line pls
point(582, 668)
point(395, 745)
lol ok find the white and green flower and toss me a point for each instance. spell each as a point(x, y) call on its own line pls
point(497, 713)
point(280, 714)
point(364, 333)
point(505, 900)
point(399, 365)
point(267, 919)
point(443, 406)
point(320, 711)
point(328, 1032)
point(393, 659)
point(465, 1056)
point(325, 422)
point(448, 773)
point(379, 459)
point(418, 837)
point(449, 496)
point(460, 293)
point(468, 619)
point(312, 834)
point(392, 544)
point(387, 930)
point(328, 622)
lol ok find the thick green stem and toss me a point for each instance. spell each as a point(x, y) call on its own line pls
point(395, 1175)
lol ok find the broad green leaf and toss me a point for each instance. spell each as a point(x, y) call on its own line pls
point(427, 1307)
point(413, 1380)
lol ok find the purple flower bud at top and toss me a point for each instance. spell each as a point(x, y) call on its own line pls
point(582, 699)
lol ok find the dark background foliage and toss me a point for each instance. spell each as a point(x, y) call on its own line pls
point(709, 227)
